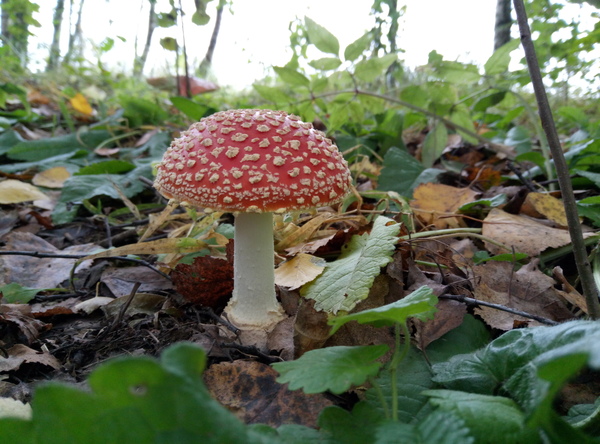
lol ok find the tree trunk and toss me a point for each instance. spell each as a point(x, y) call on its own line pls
point(54, 56)
point(206, 63)
point(76, 37)
point(140, 62)
point(503, 23)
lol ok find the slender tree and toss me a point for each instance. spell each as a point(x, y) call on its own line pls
point(57, 21)
point(206, 63)
point(140, 61)
point(503, 23)
point(16, 18)
point(76, 36)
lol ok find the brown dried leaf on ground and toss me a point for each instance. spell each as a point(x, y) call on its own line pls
point(249, 389)
point(21, 354)
point(20, 316)
point(120, 281)
point(433, 202)
point(526, 235)
point(299, 270)
point(545, 206)
point(449, 314)
point(527, 289)
point(38, 272)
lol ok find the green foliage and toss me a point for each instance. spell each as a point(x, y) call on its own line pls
point(14, 293)
point(347, 281)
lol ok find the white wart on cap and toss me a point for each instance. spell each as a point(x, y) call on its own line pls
point(253, 160)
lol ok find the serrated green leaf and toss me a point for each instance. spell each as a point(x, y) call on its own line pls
point(357, 47)
point(291, 76)
point(500, 59)
point(370, 69)
point(14, 293)
point(434, 144)
point(490, 419)
point(400, 172)
point(326, 63)
point(420, 304)
point(133, 400)
point(346, 281)
point(415, 95)
point(356, 427)
point(333, 369)
point(320, 37)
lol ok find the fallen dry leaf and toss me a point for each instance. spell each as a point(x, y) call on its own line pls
point(120, 281)
point(433, 200)
point(249, 389)
point(299, 270)
point(207, 282)
point(21, 316)
point(14, 191)
point(52, 177)
point(527, 289)
point(38, 272)
point(80, 103)
point(526, 235)
point(545, 206)
point(20, 354)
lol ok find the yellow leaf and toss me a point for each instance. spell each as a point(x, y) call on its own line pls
point(80, 103)
point(15, 191)
point(541, 205)
point(299, 270)
point(52, 178)
point(434, 202)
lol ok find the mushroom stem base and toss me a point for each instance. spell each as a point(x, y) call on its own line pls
point(254, 305)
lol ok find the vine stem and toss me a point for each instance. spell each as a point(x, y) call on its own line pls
point(562, 171)
point(399, 354)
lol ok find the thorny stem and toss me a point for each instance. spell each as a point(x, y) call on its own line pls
point(562, 171)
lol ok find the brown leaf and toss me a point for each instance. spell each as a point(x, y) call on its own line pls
point(542, 205)
point(20, 315)
point(250, 391)
point(52, 177)
point(208, 281)
point(433, 200)
point(299, 270)
point(120, 281)
point(524, 234)
point(527, 289)
point(20, 354)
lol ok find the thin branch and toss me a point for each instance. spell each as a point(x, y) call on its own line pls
point(562, 171)
point(471, 301)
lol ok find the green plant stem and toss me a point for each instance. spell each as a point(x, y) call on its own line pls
point(588, 284)
point(399, 354)
point(384, 404)
point(460, 232)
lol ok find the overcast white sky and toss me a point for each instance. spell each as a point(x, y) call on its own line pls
point(256, 35)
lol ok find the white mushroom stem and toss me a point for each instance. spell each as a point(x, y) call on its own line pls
point(254, 305)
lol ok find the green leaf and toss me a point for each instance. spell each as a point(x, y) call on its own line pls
point(497, 200)
point(434, 144)
point(400, 172)
point(291, 76)
point(461, 116)
point(107, 167)
point(357, 47)
point(346, 281)
point(333, 369)
point(36, 150)
point(500, 59)
point(490, 419)
point(356, 427)
point(456, 72)
point(412, 379)
point(8, 139)
point(520, 138)
point(133, 400)
point(489, 101)
point(468, 337)
point(193, 110)
point(420, 304)
point(14, 293)
point(370, 69)
point(326, 63)
point(415, 95)
point(320, 37)
point(272, 94)
point(169, 43)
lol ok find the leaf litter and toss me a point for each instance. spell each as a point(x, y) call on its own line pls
point(110, 305)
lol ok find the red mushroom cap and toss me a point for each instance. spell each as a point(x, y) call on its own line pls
point(253, 161)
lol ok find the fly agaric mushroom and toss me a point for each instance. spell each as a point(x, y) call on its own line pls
point(253, 163)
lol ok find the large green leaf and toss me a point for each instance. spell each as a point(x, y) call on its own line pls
point(346, 281)
point(402, 172)
point(420, 304)
point(132, 400)
point(357, 47)
point(370, 69)
point(500, 59)
point(434, 144)
point(36, 150)
point(334, 369)
point(291, 76)
point(320, 37)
